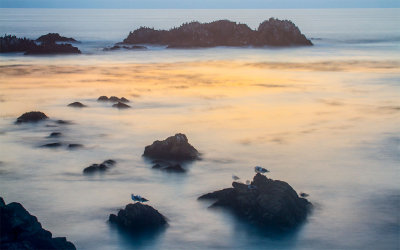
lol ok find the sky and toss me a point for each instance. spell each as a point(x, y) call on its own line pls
point(200, 4)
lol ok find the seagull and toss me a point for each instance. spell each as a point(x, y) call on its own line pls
point(260, 170)
point(234, 177)
point(138, 198)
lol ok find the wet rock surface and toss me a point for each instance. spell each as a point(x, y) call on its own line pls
point(102, 167)
point(271, 204)
point(21, 230)
point(272, 32)
point(169, 167)
point(176, 148)
point(33, 116)
point(138, 217)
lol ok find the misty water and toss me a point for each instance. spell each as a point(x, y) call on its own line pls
point(325, 119)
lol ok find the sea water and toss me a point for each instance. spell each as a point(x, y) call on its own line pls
point(324, 118)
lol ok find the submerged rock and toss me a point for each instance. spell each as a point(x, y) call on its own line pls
point(102, 167)
point(74, 146)
point(33, 116)
point(169, 167)
point(21, 230)
point(55, 37)
point(52, 145)
point(272, 32)
point(175, 147)
point(272, 204)
point(76, 105)
point(55, 134)
point(63, 122)
point(138, 217)
point(121, 105)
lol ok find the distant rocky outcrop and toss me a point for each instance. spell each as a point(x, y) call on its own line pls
point(273, 32)
point(55, 37)
point(272, 204)
point(21, 230)
point(138, 217)
point(33, 116)
point(176, 148)
point(114, 99)
point(10, 43)
point(52, 48)
point(118, 47)
point(102, 167)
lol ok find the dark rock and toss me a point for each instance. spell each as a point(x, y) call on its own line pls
point(55, 37)
point(121, 105)
point(52, 145)
point(21, 230)
point(304, 195)
point(102, 99)
point(99, 167)
point(123, 99)
point(177, 168)
point(52, 48)
point(138, 217)
point(113, 99)
point(10, 43)
point(272, 204)
point(115, 47)
point(74, 146)
point(76, 105)
point(273, 32)
point(55, 134)
point(33, 116)
point(135, 47)
point(63, 122)
point(174, 147)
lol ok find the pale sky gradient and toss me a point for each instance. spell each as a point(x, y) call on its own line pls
point(206, 4)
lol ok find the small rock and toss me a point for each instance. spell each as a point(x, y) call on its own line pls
point(114, 99)
point(99, 167)
point(52, 145)
point(138, 217)
point(121, 105)
point(175, 148)
point(74, 146)
point(63, 122)
point(55, 135)
point(102, 99)
point(304, 195)
point(123, 99)
point(177, 168)
point(76, 105)
point(33, 116)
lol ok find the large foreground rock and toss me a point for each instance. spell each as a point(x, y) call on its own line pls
point(272, 32)
point(33, 116)
point(175, 148)
point(9, 43)
point(138, 217)
point(21, 230)
point(272, 204)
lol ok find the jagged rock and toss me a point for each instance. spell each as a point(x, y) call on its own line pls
point(33, 116)
point(272, 204)
point(10, 43)
point(55, 37)
point(174, 147)
point(76, 105)
point(21, 230)
point(102, 167)
point(138, 217)
point(102, 99)
point(273, 32)
point(121, 105)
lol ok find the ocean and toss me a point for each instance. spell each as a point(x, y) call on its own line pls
point(324, 118)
